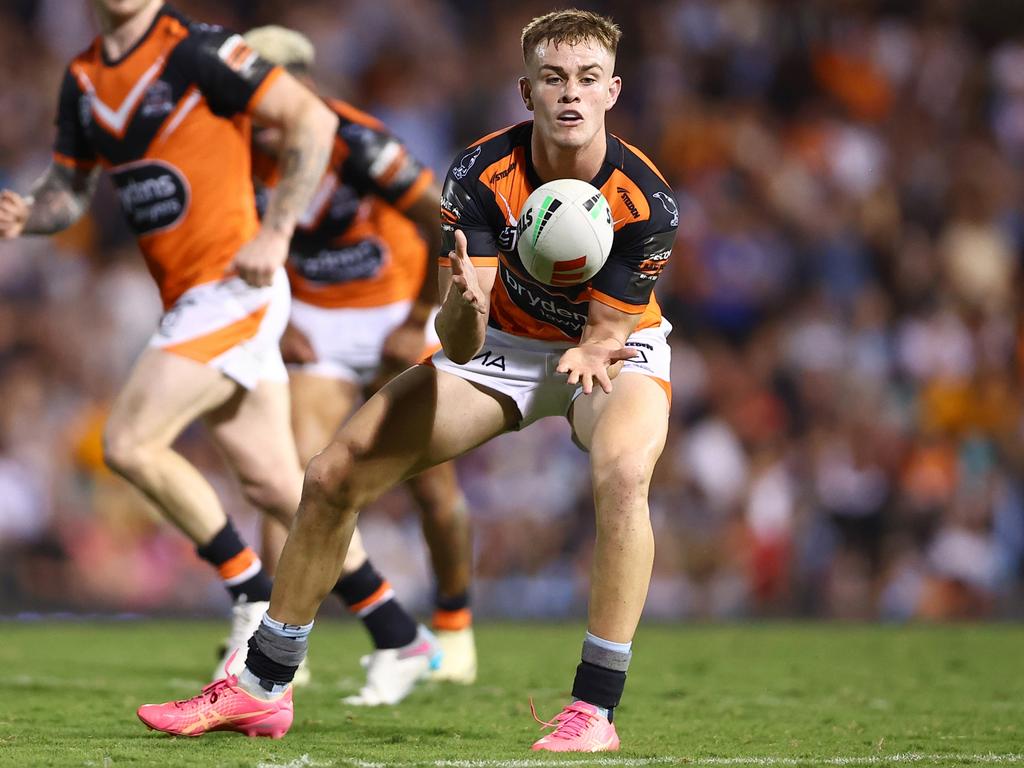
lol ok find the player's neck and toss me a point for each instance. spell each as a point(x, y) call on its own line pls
point(551, 162)
point(121, 33)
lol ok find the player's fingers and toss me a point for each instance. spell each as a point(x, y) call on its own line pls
point(622, 353)
point(587, 381)
point(455, 263)
point(574, 377)
point(602, 379)
point(460, 242)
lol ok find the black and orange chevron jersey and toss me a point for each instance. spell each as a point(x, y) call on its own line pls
point(353, 247)
point(169, 121)
point(483, 194)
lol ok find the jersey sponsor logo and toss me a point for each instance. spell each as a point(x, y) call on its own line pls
point(624, 194)
point(488, 359)
point(449, 214)
point(154, 195)
point(502, 174)
point(653, 265)
point(554, 309)
point(237, 54)
point(360, 261)
point(466, 163)
point(670, 207)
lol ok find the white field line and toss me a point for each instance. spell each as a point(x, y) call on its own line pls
point(640, 762)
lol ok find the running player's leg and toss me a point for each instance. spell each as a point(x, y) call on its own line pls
point(253, 431)
point(446, 527)
point(164, 393)
point(320, 403)
point(420, 419)
point(625, 432)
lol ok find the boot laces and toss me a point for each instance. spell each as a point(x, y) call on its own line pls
point(570, 723)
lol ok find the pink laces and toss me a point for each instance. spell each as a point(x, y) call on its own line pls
point(570, 723)
point(211, 692)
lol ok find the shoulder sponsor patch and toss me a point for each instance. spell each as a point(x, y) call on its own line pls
point(237, 54)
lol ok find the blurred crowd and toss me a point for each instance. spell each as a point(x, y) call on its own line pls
point(847, 437)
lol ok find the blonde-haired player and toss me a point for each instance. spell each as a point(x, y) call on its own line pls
point(560, 349)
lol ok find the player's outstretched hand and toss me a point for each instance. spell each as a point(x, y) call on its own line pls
point(464, 278)
point(295, 346)
point(13, 214)
point(588, 363)
point(258, 260)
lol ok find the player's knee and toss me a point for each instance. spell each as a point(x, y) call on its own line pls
point(123, 453)
point(274, 492)
point(621, 478)
point(438, 499)
point(331, 480)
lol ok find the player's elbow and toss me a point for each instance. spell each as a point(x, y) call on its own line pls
point(458, 351)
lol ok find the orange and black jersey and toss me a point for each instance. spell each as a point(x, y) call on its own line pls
point(353, 247)
point(169, 121)
point(483, 194)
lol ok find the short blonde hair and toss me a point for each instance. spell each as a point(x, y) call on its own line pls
point(280, 45)
point(571, 27)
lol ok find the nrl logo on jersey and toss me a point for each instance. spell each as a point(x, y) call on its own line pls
point(158, 101)
point(466, 163)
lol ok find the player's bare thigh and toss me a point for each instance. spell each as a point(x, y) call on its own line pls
point(419, 419)
point(633, 418)
point(253, 431)
point(164, 394)
point(319, 406)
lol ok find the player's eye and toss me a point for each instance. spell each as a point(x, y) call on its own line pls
point(588, 80)
point(552, 80)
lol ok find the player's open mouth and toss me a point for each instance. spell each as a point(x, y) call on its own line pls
point(570, 117)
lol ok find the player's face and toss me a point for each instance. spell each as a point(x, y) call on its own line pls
point(569, 88)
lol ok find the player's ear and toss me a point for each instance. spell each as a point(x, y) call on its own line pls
point(526, 91)
point(614, 88)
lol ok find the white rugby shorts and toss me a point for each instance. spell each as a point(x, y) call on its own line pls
point(348, 342)
point(230, 326)
point(524, 369)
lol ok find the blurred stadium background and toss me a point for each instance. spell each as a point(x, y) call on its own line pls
point(847, 437)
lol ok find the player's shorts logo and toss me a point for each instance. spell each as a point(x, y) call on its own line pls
point(154, 195)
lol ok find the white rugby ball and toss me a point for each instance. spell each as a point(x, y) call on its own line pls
point(565, 232)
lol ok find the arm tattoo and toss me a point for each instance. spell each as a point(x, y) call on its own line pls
point(303, 161)
point(61, 196)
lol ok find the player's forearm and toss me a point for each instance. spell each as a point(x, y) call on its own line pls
point(460, 328)
point(306, 150)
point(58, 199)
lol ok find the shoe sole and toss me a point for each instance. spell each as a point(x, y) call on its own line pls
point(253, 732)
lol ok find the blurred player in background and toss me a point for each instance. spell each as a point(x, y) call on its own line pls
point(165, 105)
point(558, 348)
point(362, 311)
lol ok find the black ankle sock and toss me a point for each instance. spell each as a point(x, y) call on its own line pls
point(598, 686)
point(370, 597)
point(227, 546)
point(452, 603)
point(266, 669)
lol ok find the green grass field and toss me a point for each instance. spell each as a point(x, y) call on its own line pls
point(780, 695)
